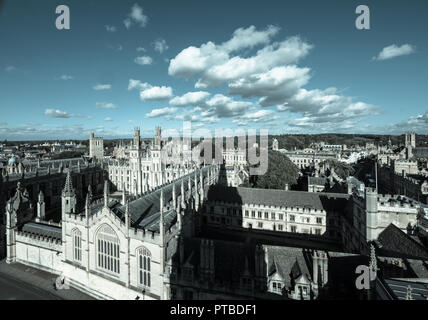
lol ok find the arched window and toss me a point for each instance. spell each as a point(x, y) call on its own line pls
point(77, 245)
point(107, 249)
point(144, 265)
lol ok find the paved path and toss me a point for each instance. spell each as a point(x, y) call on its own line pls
point(21, 282)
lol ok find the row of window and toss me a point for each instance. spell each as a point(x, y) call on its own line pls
point(108, 254)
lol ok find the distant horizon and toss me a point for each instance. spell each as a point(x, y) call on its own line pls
point(152, 137)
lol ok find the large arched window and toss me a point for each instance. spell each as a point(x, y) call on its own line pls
point(144, 264)
point(77, 245)
point(107, 249)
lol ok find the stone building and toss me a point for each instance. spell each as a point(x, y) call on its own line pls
point(96, 146)
point(275, 210)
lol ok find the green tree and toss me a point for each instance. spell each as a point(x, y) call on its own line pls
point(280, 171)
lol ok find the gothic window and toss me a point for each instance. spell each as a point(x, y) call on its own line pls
point(107, 250)
point(76, 235)
point(144, 266)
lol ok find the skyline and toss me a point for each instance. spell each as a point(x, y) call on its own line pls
point(301, 67)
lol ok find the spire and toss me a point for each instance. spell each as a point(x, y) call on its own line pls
point(127, 216)
point(87, 205)
point(41, 197)
point(90, 193)
point(182, 193)
point(174, 196)
point(409, 293)
point(373, 263)
point(68, 188)
point(123, 193)
point(161, 220)
point(106, 193)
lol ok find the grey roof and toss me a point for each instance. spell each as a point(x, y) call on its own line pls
point(272, 197)
point(399, 289)
point(289, 263)
point(394, 242)
point(42, 230)
point(148, 204)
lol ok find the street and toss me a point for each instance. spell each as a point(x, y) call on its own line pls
point(13, 289)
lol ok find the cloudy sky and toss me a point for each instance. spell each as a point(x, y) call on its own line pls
point(286, 66)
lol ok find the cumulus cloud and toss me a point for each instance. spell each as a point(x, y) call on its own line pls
point(214, 63)
point(160, 45)
point(56, 113)
point(105, 105)
point(99, 87)
point(136, 16)
point(274, 86)
point(110, 28)
point(143, 60)
point(108, 119)
point(137, 84)
point(156, 93)
point(160, 112)
point(393, 51)
point(190, 99)
point(225, 107)
point(141, 49)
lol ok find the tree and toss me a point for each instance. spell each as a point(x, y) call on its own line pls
point(281, 170)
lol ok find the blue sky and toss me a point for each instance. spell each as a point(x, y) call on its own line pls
point(286, 66)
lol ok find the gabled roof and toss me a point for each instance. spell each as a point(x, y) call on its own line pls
point(393, 241)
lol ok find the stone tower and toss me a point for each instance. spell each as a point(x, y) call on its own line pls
point(68, 196)
point(96, 146)
point(410, 139)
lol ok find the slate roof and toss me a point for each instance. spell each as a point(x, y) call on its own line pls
point(148, 205)
point(394, 242)
point(289, 263)
point(399, 289)
point(272, 197)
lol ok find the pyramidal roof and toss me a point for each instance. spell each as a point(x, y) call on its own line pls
point(68, 188)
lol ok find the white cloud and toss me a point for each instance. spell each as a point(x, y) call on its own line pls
point(56, 113)
point(393, 51)
point(215, 65)
point(274, 86)
point(108, 119)
point(141, 49)
point(136, 16)
point(156, 93)
point(160, 112)
point(137, 84)
point(225, 107)
point(99, 87)
point(104, 105)
point(190, 99)
point(110, 28)
point(65, 77)
point(143, 60)
point(160, 45)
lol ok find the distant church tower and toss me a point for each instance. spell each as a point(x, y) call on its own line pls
point(96, 146)
point(410, 140)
